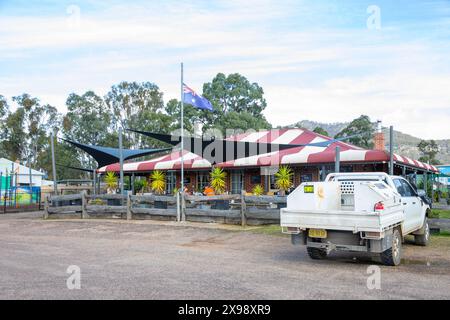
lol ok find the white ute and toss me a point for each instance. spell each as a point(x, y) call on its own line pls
point(365, 212)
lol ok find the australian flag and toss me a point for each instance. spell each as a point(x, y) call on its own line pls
point(191, 97)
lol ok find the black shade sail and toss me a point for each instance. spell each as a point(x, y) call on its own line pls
point(106, 155)
point(208, 148)
point(75, 168)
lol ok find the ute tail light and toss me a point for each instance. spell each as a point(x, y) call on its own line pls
point(379, 206)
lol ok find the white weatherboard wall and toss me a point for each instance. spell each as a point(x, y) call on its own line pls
point(23, 173)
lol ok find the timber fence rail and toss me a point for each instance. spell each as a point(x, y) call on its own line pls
point(229, 209)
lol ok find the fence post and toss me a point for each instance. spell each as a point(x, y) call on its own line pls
point(178, 207)
point(243, 209)
point(183, 206)
point(46, 206)
point(128, 206)
point(83, 204)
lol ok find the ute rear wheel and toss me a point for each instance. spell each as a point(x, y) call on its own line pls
point(316, 253)
point(393, 255)
point(423, 239)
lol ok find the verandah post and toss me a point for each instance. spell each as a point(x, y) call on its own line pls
point(243, 209)
point(83, 204)
point(46, 206)
point(129, 206)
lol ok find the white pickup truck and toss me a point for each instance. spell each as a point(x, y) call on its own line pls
point(366, 212)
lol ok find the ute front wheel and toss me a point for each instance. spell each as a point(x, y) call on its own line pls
point(393, 255)
point(423, 239)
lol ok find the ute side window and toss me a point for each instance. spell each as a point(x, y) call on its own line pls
point(408, 189)
point(400, 188)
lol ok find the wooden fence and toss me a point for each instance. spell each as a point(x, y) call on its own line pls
point(230, 209)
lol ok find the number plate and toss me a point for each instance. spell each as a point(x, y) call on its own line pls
point(317, 233)
point(308, 189)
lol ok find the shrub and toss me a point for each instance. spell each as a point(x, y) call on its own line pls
point(111, 181)
point(258, 190)
point(283, 179)
point(98, 202)
point(218, 180)
point(158, 182)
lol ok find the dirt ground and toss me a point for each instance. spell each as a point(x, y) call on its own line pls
point(168, 260)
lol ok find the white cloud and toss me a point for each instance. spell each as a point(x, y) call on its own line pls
point(317, 74)
point(414, 105)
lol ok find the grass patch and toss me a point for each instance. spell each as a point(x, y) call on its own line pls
point(440, 214)
point(273, 230)
point(441, 240)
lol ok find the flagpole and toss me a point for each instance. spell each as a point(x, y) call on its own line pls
point(182, 130)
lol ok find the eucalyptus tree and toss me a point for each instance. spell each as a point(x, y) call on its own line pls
point(138, 106)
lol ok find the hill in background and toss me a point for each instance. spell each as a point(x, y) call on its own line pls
point(405, 144)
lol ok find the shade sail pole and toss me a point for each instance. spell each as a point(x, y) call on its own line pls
point(55, 186)
point(391, 150)
point(182, 130)
point(121, 161)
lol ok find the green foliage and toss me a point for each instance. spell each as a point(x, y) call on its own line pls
point(88, 119)
point(98, 202)
point(218, 183)
point(158, 181)
point(233, 94)
point(283, 178)
point(440, 214)
point(111, 180)
point(244, 121)
point(258, 190)
point(93, 119)
point(191, 115)
point(4, 107)
point(137, 105)
point(138, 185)
point(429, 150)
point(321, 131)
point(359, 125)
point(24, 132)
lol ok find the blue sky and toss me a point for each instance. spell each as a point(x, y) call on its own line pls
point(316, 60)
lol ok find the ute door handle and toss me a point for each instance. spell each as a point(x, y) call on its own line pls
point(404, 203)
point(414, 202)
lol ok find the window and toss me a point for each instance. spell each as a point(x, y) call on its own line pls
point(256, 179)
point(409, 191)
point(171, 181)
point(202, 181)
point(237, 182)
point(398, 184)
point(306, 177)
point(272, 182)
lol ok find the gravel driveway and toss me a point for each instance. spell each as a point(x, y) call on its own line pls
point(156, 260)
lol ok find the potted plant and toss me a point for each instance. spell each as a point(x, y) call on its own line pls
point(283, 181)
point(217, 178)
point(158, 185)
point(258, 190)
point(111, 182)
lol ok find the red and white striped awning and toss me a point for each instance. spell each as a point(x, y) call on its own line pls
point(298, 155)
point(171, 161)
